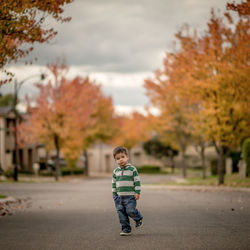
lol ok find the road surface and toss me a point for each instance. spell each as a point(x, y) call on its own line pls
point(80, 214)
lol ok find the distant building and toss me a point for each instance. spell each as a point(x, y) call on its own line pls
point(101, 158)
point(26, 156)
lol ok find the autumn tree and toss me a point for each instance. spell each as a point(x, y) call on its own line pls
point(208, 77)
point(22, 23)
point(158, 149)
point(172, 123)
point(132, 129)
point(221, 82)
point(67, 114)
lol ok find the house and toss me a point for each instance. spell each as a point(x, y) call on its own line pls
point(26, 156)
point(101, 160)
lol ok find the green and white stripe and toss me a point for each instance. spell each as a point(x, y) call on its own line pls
point(125, 181)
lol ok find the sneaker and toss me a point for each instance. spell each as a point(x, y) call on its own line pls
point(138, 223)
point(125, 234)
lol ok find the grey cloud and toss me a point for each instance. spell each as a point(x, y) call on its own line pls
point(121, 36)
point(126, 96)
point(117, 38)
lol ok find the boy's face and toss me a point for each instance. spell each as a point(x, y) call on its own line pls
point(121, 159)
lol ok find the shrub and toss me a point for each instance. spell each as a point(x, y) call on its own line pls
point(197, 168)
point(157, 149)
point(214, 167)
point(69, 171)
point(149, 169)
point(24, 171)
point(46, 173)
point(1, 170)
point(246, 154)
point(236, 157)
point(63, 171)
point(9, 173)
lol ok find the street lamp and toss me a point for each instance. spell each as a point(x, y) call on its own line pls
point(17, 87)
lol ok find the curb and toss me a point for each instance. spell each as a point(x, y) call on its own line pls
point(8, 199)
point(197, 188)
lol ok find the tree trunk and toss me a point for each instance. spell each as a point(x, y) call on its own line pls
point(86, 169)
point(129, 154)
point(100, 157)
point(184, 170)
point(203, 162)
point(172, 164)
point(221, 163)
point(56, 141)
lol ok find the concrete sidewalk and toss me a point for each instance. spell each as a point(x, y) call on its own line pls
point(7, 199)
point(197, 188)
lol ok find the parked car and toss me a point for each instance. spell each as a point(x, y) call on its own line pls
point(52, 163)
point(42, 166)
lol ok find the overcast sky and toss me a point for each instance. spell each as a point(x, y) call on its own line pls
point(117, 42)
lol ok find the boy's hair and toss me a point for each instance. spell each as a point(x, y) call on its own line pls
point(119, 150)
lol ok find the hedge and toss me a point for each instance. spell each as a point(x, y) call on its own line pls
point(9, 173)
point(149, 169)
point(246, 154)
point(69, 171)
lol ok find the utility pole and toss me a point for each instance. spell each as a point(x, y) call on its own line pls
point(2, 147)
point(17, 87)
point(15, 132)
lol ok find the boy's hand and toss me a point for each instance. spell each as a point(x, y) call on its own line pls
point(137, 197)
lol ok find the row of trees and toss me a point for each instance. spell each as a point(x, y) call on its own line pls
point(202, 89)
point(70, 115)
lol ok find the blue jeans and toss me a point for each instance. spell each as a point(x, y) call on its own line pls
point(126, 207)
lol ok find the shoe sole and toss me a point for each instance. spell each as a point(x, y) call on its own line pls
point(125, 234)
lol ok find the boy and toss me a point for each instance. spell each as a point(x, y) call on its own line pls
point(126, 188)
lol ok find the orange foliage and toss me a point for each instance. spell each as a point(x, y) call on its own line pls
point(132, 129)
point(21, 22)
point(203, 88)
point(68, 113)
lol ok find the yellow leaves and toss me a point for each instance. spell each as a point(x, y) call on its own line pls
point(206, 90)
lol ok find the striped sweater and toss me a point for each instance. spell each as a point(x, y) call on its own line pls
point(125, 181)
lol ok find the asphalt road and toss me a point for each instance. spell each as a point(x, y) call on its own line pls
point(81, 215)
